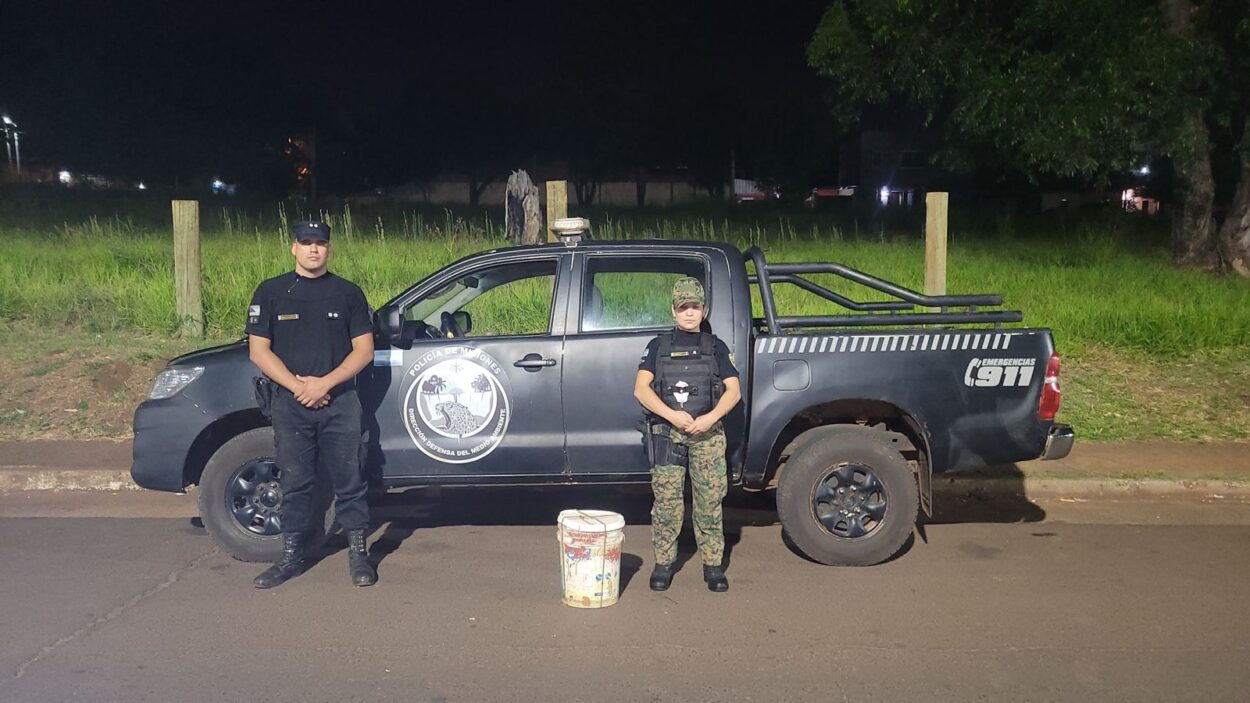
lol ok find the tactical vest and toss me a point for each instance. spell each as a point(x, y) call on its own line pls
point(686, 378)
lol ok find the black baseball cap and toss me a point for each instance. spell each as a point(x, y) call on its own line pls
point(311, 231)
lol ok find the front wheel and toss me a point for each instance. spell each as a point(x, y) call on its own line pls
point(241, 500)
point(847, 497)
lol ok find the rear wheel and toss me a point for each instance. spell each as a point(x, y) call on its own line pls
point(241, 499)
point(847, 497)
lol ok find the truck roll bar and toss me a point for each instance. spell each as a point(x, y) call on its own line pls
point(877, 313)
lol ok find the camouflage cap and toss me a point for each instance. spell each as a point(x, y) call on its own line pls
point(688, 290)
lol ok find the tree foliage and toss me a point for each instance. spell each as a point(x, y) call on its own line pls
point(1063, 87)
point(1070, 88)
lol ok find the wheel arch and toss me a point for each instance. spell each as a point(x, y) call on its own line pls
point(212, 437)
point(814, 421)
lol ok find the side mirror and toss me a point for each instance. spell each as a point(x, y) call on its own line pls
point(390, 324)
point(464, 321)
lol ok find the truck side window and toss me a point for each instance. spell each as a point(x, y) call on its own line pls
point(505, 300)
point(633, 293)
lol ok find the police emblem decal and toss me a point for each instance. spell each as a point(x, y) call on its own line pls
point(457, 406)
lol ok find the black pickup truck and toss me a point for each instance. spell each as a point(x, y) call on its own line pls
point(516, 366)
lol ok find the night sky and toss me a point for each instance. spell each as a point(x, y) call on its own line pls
point(398, 91)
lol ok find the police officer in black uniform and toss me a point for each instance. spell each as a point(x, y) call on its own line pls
point(310, 332)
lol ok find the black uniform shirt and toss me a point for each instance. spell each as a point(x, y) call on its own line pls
point(725, 368)
point(310, 321)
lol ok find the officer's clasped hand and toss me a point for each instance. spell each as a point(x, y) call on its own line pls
point(682, 420)
point(701, 424)
point(314, 392)
point(691, 425)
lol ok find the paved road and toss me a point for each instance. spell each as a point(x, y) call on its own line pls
point(1014, 602)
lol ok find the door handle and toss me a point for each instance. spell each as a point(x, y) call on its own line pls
point(533, 362)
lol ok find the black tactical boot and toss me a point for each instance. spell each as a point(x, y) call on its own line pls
point(715, 577)
point(661, 577)
point(362, 572)
point(288, 566)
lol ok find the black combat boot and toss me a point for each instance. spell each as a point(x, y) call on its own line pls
point(362, 572)
point(661, 577)
point(288, 566)
point(715, 577)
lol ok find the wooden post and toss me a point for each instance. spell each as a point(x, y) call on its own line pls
point(557, 205)
point(187, 280)
point(935, 205)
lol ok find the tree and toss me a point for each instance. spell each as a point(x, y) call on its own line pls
point(1069, 88)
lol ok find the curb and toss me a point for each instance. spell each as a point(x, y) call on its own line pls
point(31, 478)
point(1091, 488)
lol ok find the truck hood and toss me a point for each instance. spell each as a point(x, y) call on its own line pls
point(235, 351)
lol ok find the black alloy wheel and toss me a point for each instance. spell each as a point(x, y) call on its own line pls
point(850, 501)
point(241, 501)
point(254, 497)
point(846, 496)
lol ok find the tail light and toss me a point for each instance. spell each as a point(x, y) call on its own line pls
point(1051, 395)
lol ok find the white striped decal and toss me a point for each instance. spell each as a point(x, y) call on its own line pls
point(931, 342)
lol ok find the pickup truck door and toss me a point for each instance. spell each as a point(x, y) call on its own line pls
point(621, 301)
point(482, 401)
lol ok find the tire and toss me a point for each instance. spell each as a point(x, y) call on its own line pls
point(847, 497)
point(240, 503)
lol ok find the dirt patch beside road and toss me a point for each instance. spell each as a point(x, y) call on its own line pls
point(57, 384)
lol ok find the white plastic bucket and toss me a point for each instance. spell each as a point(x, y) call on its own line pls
point(590, 557)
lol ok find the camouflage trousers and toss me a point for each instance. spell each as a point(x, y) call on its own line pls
point(708, 482)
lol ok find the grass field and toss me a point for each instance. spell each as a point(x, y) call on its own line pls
point(1149, 351)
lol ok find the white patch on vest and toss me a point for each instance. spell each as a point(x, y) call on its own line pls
point(681, 393)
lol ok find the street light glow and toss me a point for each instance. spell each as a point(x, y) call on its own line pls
point(8, 120)
point(65, 177)
point(884, 195)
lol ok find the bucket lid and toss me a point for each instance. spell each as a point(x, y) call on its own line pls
point(591, 520)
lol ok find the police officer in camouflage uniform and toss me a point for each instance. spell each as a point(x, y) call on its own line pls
point(687, 383)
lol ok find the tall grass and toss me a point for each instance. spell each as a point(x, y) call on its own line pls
point(1105, 283)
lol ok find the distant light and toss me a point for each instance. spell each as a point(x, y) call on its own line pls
point(217, 184)
point(884, 195)
point(8, 121)
point(63, 176)
point(1144, 170)
point(141, 186)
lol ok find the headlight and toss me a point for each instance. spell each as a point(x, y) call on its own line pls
point(170, 381)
